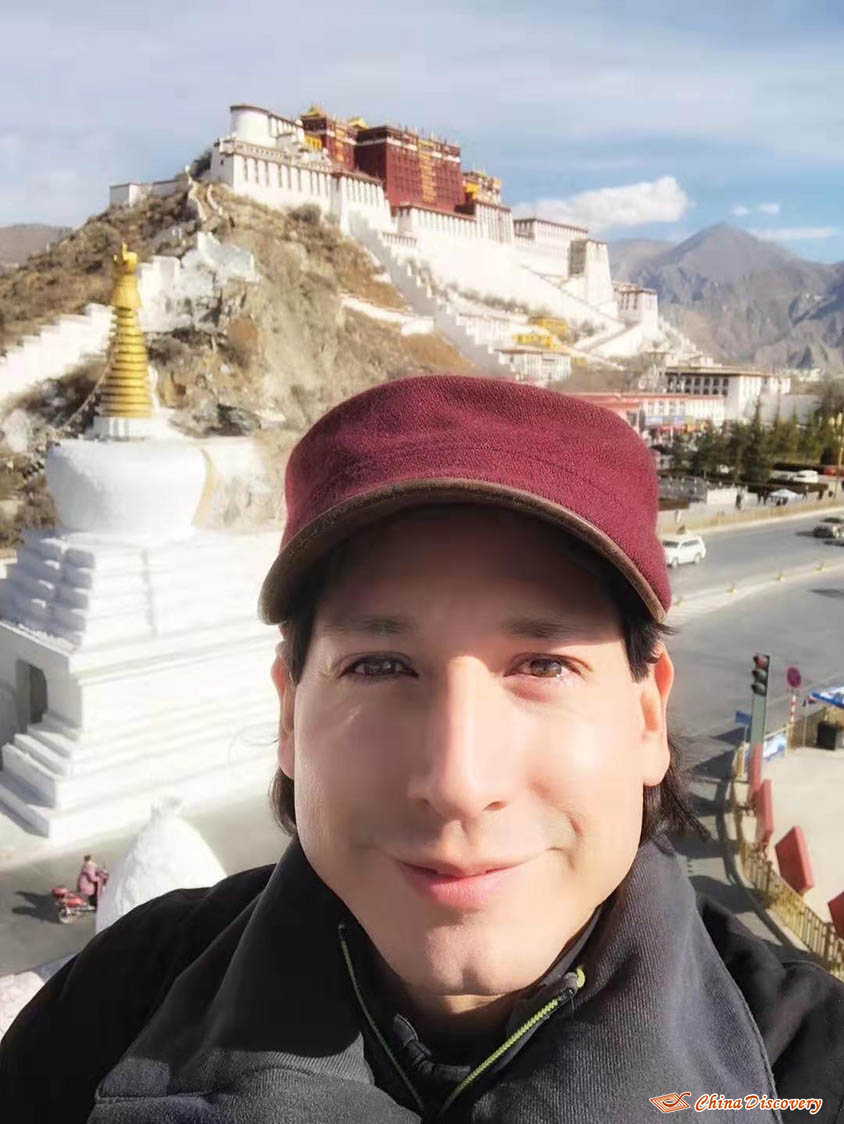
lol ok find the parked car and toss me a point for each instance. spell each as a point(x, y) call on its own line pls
point(680, 549)
point(830, 528)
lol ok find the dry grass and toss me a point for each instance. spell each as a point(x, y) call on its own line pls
point(432, 352)
point(78, 269)
point(329, 252)
point(284, 345)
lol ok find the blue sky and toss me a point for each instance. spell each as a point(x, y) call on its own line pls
point(648, 120)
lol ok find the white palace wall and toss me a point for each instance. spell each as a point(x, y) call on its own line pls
point(531, 261)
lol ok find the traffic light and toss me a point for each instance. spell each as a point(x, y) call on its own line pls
point(761, 664)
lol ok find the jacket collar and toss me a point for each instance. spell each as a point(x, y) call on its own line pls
point(267, 1015)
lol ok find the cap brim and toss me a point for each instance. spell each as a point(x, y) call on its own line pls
point(329, 529)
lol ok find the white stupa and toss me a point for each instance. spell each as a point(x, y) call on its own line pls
point(168, 854)
point(132, 661)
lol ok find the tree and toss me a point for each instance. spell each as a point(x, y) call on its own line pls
point(709, 452)
point(758, 456)
point(679, 453)
point(736, 444)
point(783, 438)
point(812, 439)
point(832, 399)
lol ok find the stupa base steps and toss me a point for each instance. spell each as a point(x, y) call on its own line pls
point(61, 780)
point(82, 822)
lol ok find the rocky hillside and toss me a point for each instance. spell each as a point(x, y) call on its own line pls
point(264, 358)
point(744, 299)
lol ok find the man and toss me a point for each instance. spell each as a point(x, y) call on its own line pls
point(480, 918)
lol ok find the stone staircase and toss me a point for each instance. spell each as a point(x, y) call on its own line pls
point(56, 350)
point(169, 288)
point(61, 781)
point(419, 295)
point(424, 301)
point(154, 667)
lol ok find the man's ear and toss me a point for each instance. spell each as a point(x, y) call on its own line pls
point(286, 699)
point(654, 702)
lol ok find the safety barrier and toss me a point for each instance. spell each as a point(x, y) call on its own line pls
point(817, 935)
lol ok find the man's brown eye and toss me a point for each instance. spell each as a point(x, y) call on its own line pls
point(548, 667)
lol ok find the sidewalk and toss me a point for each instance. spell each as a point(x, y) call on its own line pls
point(713, 518)
point(713, 865)
point(807, 786)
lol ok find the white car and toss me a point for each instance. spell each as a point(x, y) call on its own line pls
point(683, 548)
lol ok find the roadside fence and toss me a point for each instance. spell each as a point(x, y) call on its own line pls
point(701, 519)
point(817, 935)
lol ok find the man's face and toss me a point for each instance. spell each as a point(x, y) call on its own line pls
point(467, 707)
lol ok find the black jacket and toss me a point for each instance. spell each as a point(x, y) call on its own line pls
point(251, 1001)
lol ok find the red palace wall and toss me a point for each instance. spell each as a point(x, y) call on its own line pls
point(337, 141)
point(410, 171)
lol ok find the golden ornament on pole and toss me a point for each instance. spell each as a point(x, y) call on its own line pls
point(125, 391)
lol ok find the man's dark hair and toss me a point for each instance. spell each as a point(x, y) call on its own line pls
point(666, 806)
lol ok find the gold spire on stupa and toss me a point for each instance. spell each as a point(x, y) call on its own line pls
point(125, 390)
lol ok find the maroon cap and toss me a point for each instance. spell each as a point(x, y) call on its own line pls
point(465, 439)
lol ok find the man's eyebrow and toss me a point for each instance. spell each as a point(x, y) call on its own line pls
point(545, 627)
point(369, 624)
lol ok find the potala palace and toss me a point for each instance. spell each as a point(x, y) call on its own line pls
point(509, 292)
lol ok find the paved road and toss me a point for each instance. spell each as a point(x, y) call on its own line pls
point(242, 836)
point(801, 624)
point(734, 555)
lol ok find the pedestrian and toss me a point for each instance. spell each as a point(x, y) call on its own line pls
point(91, 880)
point(738, 501)
point(480, 915)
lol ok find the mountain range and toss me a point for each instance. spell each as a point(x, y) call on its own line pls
point(742, 299)
point(19, 241)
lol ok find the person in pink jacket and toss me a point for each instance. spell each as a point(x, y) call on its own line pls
point(91, 880)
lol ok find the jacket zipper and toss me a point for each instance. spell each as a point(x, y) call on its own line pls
point(574, 982)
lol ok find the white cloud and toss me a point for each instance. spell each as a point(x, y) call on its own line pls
point(633, 95)
point(740, 209)
point(795, 233)
point(661, 200)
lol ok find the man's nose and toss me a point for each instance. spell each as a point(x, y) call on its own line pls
point(466, 763)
